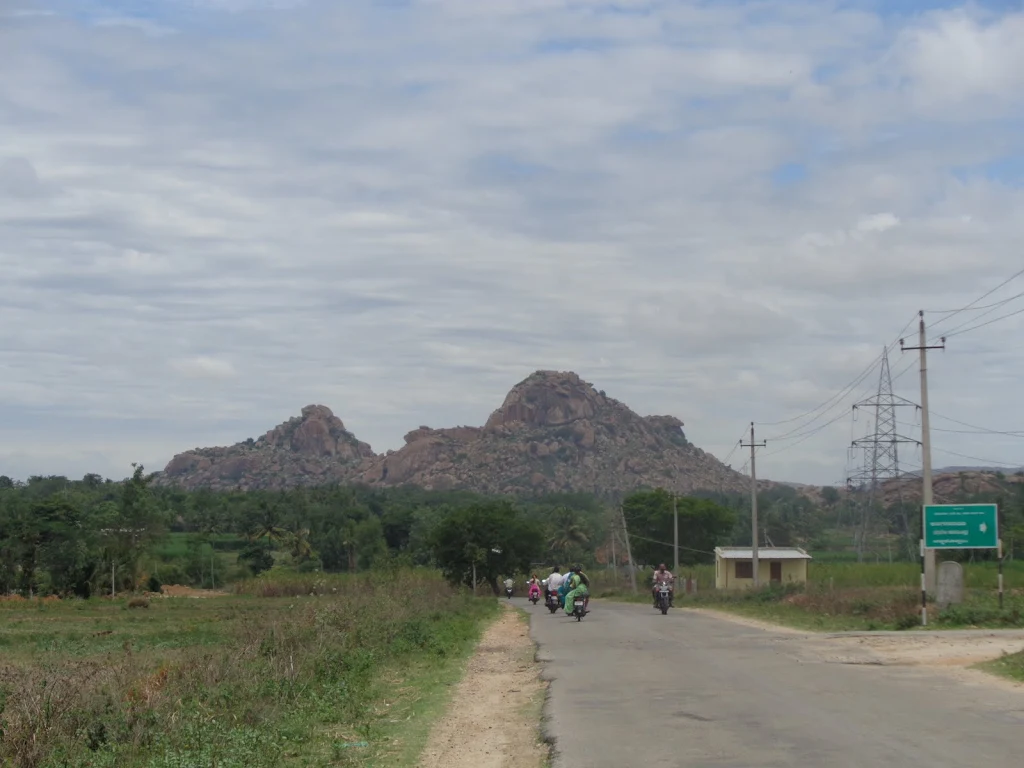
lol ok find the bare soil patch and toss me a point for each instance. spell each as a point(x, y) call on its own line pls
point(492, 721)
point(176, 590)
point(931, 650)
point(953, 652)
point(748, 622)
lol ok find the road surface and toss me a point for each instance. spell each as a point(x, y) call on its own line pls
point(630, 687)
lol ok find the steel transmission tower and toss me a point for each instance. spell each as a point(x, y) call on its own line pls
point(880, 456)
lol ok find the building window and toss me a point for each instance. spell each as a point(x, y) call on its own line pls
point(744, 570)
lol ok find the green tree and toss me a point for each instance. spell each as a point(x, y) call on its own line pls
point(137, 527)
point(830, 495)
point(494, 535)
point(569, 537)
point(703, 525)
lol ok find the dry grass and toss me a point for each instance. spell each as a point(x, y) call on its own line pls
point(262, 683)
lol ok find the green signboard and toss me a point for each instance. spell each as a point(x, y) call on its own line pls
point(961, 526)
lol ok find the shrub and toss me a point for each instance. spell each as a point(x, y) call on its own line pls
point(257, 558)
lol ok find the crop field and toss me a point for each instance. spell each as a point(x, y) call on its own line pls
point(303, 671)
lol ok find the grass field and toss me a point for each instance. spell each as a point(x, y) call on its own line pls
point(269, 676)
point(848, 596)
point(181, 558)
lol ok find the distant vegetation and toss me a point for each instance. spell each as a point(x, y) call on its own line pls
point(86, 537)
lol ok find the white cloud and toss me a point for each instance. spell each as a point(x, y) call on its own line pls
point(205, 368)
point(878, 222)
point(401, 210)
point(960, 56)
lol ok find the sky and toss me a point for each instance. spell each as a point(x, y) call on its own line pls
point(214, 212)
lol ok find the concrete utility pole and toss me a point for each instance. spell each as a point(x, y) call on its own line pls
point(753, 502)
point(926, 446)
point(629, 552)
point(675, 534)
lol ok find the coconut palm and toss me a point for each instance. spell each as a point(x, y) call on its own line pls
point(269, 526)
point(569, 534)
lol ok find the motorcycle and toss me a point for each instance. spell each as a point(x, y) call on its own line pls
point(508, 592)
point(579, 607)
point(534, 595)
point(664, 598)
point(552, 600)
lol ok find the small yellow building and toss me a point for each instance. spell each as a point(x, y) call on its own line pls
point(734, 566)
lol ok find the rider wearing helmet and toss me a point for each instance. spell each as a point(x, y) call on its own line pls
point(663, 576)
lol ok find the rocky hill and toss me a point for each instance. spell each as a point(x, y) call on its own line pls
point(311, 449)
point(953, 486)
point(950, 485)
point(554, 432)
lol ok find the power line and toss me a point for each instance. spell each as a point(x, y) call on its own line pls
point(989, 309)
point(844, 391)
point(954, 313)
point(667, 544)
point(735, 445)
point(983, 306)
point(977, 458)
point(977, 432)
point(1012, 432)
point(987, 322)
point(807, 436)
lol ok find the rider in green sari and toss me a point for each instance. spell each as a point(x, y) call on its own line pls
point(577, 586)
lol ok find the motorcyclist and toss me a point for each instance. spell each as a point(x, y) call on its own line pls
point(534, 586)
point(578, 582)
point(509, 583)
point(663, 576)
point(555, 582)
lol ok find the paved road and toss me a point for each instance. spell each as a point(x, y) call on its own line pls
point(631, 687)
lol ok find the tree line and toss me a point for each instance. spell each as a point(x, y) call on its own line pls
point(94, 535)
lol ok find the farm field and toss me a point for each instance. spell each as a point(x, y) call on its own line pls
point(295, 670)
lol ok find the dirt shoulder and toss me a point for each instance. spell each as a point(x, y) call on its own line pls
point(954, 652)
point(745, 621)
point(493, 718)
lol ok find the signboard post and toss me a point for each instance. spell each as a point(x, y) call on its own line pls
point(956, 526)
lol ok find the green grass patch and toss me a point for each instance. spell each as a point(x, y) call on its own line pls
point(1010, 665)
point(862, 608)
point(244, 680)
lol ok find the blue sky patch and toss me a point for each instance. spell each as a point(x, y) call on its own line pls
point(788, 174)
point(1007, 170)
point(571, 44)
point(505, 167)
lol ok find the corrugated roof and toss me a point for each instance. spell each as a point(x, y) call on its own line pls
point(763, 553)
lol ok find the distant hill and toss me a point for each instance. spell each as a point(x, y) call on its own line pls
point(553, 432)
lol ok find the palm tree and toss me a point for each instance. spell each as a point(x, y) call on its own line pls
point(209, 525)
point(299, 540)
point(568, 531)
point(269, 526)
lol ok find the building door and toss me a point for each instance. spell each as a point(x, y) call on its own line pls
point(776, 571)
